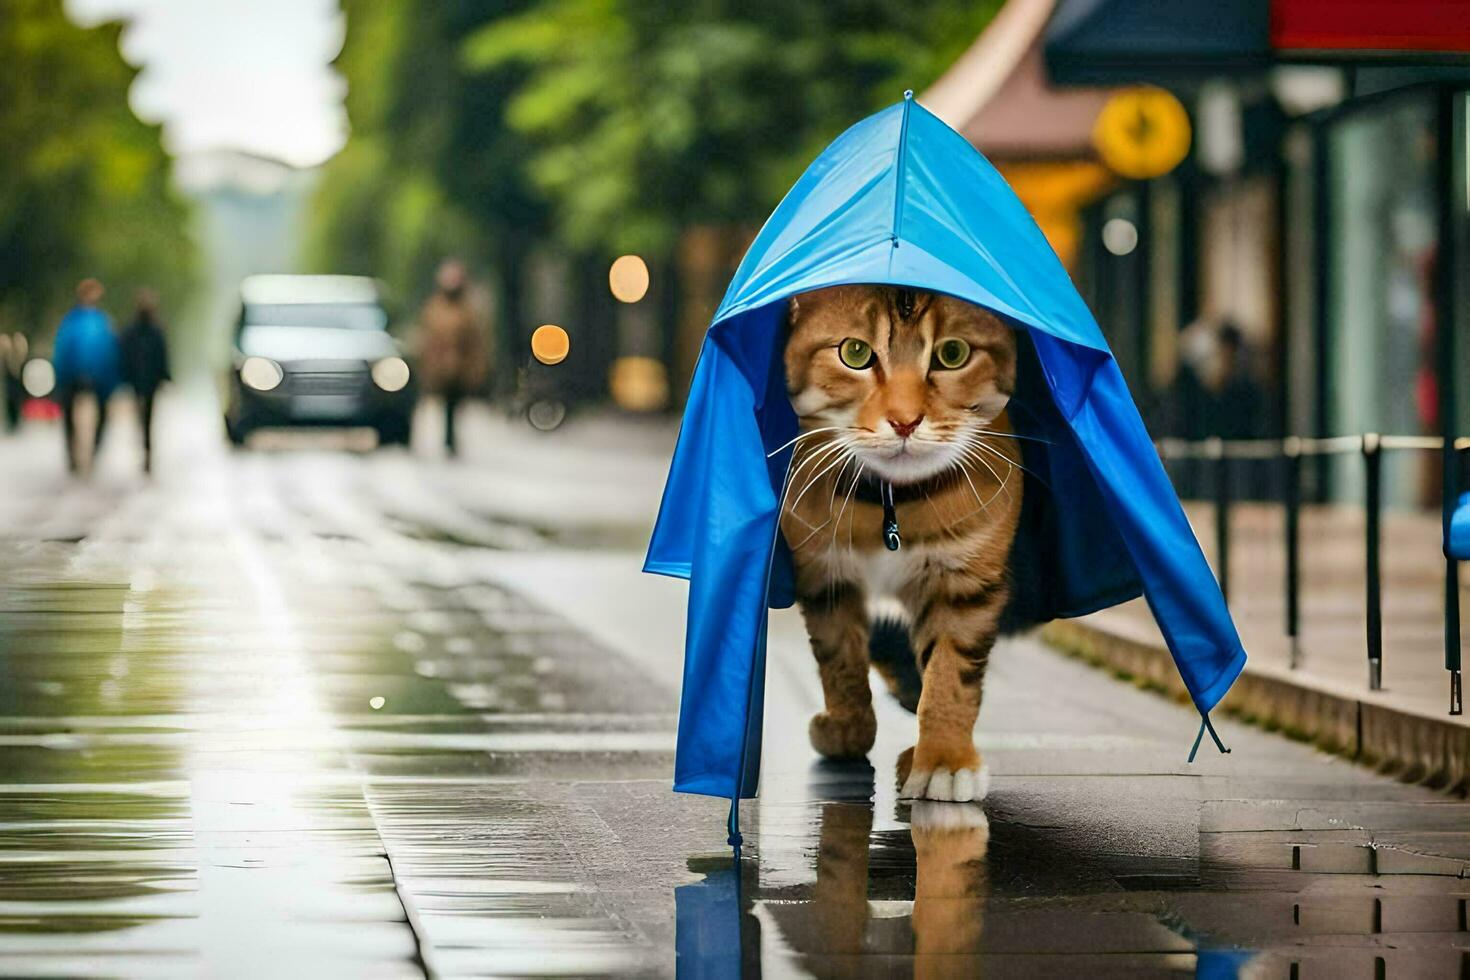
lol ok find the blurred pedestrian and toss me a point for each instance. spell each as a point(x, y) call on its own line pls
point(86, 359)
point(145, 364)
point(1238, 396)
point(14, 350)
point(453, 348)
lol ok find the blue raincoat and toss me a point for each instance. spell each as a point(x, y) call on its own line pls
point(902, 199)
point(87, 350)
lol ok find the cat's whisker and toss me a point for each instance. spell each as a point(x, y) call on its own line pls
point(814, 532)
point(981, 444)
point(837, 484)
point(802, 435)
point(970, 454)
point(964, 471)
point(842, 458)
point(1010, 435)
point(857, 475)
point(1003, 483)
point(809, 453)
point(815, 529)
point(985, 445)
point(824, 452)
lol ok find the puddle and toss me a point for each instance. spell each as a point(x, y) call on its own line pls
point(836, 888)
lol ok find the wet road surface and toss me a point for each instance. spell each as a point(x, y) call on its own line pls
point(307, 712)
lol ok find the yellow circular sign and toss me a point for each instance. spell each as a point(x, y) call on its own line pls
point(1142, 132)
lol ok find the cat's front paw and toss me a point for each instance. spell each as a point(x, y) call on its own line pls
point(844, 736)
point(950, 772)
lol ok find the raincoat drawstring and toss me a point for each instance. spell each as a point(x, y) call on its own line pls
point(1204, 726)
point(733, 825)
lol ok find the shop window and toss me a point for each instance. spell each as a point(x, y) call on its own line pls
point(1382, 238)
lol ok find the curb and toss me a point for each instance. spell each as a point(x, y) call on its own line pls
point(1418, 748)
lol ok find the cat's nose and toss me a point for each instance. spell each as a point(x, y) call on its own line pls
point(905, 429)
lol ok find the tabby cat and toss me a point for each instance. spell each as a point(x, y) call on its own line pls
point(902, 399)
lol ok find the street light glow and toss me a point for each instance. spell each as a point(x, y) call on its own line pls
point(1120, 236)
point(38, 377)
point(550, 344)
point(628, 278)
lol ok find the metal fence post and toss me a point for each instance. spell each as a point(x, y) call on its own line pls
point(1373, 471)
point(1456, 459)
point(1222, 515)
point(1291, 491)
point(1449, 182)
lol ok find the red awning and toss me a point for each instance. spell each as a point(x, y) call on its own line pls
point(1370, 25)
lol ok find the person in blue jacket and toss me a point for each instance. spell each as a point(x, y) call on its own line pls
point(86, 357)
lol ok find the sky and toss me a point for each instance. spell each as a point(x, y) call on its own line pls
point(251, 75)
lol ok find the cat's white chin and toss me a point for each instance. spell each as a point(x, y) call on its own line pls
point(909, 463)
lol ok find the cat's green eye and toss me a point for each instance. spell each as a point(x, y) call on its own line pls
point(856, 354)
point(952, 353)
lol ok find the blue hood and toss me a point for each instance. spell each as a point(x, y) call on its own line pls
point(902, 199)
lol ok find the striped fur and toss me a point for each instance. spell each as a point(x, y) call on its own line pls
point(941, 437)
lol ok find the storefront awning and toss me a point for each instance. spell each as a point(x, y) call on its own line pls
point(1394, 30)
point(1112, 42)
point(1120, 42)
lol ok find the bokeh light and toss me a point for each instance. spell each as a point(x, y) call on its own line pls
point(1120, 236)
point(38, 378)
point(628, 278)
point(390, 374)
point(639, 384)
point(261, 373)
point(546, 414)
point(550, 344)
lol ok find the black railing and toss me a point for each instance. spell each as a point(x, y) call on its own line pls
point(1287, 454)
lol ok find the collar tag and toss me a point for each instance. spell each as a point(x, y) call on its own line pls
point(890, 518)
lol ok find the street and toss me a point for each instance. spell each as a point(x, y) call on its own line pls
point(308, 709)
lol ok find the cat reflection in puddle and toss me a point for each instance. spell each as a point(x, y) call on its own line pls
point(852, 912)
point(950, 883)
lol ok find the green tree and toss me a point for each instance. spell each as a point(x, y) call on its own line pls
point(496, 129)
point(649, 117)
point(431, 168)
point(84, 185)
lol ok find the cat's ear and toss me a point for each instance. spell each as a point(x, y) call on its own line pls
point(793, 310)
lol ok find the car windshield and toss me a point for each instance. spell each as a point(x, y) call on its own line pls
point(348, 316)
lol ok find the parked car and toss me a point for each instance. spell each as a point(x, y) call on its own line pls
point(316, 351)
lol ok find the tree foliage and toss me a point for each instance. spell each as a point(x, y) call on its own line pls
point(601, 125)
point(431, 168)
point(84, 185)
point(648, 117)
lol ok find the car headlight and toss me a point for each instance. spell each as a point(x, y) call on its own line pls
point(390, 374)
point(261, 373)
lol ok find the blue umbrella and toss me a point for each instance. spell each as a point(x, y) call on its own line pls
point(902, 199)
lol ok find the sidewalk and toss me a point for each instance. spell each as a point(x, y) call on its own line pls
point(1404, 728)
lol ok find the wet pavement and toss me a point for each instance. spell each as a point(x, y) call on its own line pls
point(311, 712)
